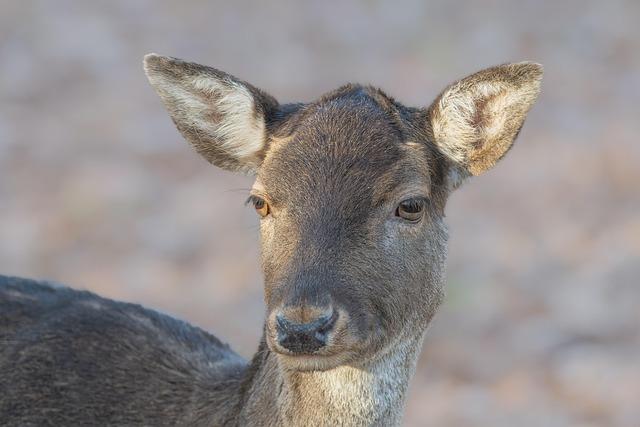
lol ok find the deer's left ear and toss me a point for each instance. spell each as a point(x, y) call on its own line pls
point(475, 120)
point(223, 118)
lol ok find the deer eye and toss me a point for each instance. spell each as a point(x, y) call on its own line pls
point(260, 205)
point(411, 209)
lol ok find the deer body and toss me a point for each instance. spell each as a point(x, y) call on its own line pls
point(351, 191)
point(70, 357)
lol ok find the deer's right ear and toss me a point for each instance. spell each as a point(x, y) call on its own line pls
point(223, 118)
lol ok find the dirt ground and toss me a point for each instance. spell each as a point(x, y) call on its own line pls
point(541, 326)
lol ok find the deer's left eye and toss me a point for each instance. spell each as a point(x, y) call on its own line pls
point(411, 209)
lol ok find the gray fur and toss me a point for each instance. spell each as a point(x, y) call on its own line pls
point(332, 174)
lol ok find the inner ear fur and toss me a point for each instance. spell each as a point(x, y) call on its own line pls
point(475, 120)
point(223, 118)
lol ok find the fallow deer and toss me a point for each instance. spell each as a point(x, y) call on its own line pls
point(351, 191)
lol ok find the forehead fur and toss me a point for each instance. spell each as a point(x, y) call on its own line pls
point(343, 143)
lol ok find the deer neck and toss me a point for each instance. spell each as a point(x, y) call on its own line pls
point(370, 394)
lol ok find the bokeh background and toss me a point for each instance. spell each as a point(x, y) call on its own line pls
point(541, 326)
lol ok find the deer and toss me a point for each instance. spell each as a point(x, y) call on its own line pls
point(350, 192)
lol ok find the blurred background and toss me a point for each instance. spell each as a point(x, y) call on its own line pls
point(541, 326)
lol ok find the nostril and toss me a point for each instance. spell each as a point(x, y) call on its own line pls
point(282, 323)
point(304, 337)
point(325, 323)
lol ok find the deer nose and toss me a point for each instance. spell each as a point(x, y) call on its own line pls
point(305, 338)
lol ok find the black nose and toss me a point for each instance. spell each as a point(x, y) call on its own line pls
point(304, 337)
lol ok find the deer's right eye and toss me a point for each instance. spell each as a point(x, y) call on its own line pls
point(260, 205)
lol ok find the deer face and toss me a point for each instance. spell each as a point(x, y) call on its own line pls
point(350, 191)
point(352, 235)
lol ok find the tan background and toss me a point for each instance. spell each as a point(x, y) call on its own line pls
point(541, 323)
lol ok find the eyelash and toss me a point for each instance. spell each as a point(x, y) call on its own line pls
point(252, 200)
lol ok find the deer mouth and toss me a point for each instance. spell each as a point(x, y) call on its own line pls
point(323, 344)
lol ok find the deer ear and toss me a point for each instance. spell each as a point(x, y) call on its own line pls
point(475, 120)
point(223, 118)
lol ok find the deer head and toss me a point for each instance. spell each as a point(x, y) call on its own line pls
point(350, 190)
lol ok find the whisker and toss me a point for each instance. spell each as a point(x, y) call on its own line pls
point(237, 190)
